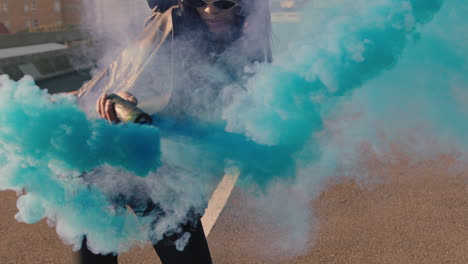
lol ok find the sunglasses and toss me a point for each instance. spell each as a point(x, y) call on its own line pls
point(220, 4)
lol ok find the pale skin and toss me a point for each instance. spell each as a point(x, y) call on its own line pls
point(218, 21)
point(105, 107)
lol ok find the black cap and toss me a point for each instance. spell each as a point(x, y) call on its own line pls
point(161, 3)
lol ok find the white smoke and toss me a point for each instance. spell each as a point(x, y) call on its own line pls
point(113, 24)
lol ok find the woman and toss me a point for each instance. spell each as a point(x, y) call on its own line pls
point(176, 68)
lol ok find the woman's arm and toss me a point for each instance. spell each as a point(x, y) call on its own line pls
point(137, 70)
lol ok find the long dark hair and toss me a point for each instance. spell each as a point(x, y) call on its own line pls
point(253, 26)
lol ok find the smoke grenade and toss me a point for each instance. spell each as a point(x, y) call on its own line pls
point(129, 113)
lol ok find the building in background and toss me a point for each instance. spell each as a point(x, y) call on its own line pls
point(3, 29)
point(72, 12)
point(39, 15)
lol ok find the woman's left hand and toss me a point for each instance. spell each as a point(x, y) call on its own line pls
point(106, 109)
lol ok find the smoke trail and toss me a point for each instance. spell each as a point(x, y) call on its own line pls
point(271, 132)
point(285, 104)
point(360, 40)
point(113, 24)
point(55, 131)
point(47, 143)
point(419, 104)
point(412, 88)
point(79, 173)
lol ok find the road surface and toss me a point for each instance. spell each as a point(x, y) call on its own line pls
point(413, 213)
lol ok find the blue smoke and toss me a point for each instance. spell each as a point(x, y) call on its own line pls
point(379, 72)
point(421, 103)
point(282, 103)
point(47, 143)
point(271, 127)
point(54, 130)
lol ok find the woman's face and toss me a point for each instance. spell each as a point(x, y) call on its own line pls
point(219, 21)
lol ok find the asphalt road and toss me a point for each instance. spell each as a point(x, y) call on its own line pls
point(412, 213)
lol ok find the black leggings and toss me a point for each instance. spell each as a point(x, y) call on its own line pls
point(196, 251)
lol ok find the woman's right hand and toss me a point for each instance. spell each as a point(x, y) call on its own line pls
point(105, 107)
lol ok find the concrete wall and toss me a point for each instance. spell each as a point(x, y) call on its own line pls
point(46, 65)
point(27, 39)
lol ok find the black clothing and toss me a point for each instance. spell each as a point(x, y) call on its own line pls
point(161, 4)
point(196, 251)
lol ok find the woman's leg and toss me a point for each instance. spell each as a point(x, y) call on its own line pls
point(85, 256)
point(196, 251)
